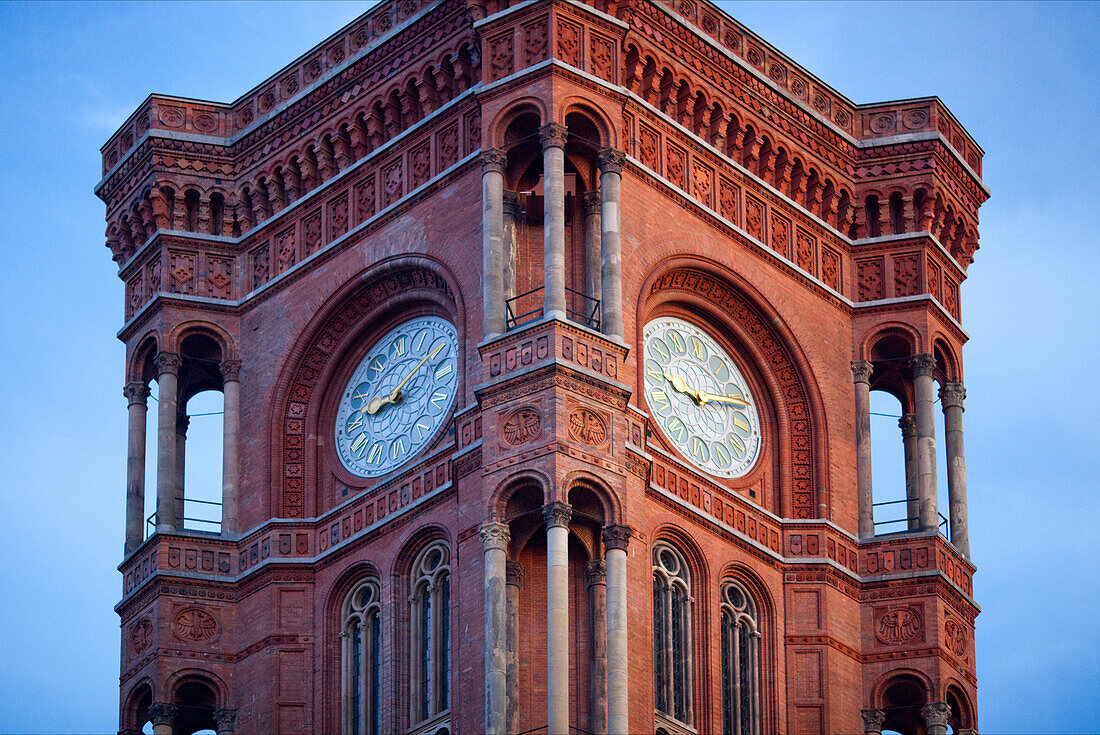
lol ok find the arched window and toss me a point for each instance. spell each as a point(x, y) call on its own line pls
point(361, 660)
point(672, 603)
point(430, 630)
point(740, 661)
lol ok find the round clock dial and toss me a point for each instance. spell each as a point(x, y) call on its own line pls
point(699, 399)
point(398, 397)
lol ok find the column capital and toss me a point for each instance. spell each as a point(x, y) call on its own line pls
point(557, 513)
point(493, 159)
point(553, 135)
point(595, 572)
point(936, 713)
point(610, 161)
point(495, 535)
point(952, 395)
point(163, 713)
point(511, 203)
point(590, 200)
point(231, 370)
point(861, 371)
point(225, 720)
point(922, 364)
point(513, 572)
point(167, 362)
point(617, 537)
point(135, 393)
point(183, 421)
point(873, 720)
point(908, 426)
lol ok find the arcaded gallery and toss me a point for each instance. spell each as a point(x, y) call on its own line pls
point(545, 338)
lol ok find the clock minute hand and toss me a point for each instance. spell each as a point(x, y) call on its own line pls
point(703, 397)
point(395, 395)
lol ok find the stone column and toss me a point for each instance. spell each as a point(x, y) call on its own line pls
point(168, 365)
point(596, 579)
point(514, 571)
point(511, 219)
point(183, 421)
point(493, 163)
point(163, 715)
point(908, 425)
point(922, 367)
point(951, 398)
point(935, 716)
point(557, 515)
point(225, 720)
point(495, 537)
point(553, 137)
point(611, 244)
point(231, 424)
point(136, 394)
point(861, 377)
point(592, 245)
point(615, 541)
point(873, 720)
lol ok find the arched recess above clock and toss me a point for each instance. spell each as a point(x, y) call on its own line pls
point(356, 315)
point(688, 286)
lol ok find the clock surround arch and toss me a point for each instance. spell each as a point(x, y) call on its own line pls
point(774, 363)
point(307, 395)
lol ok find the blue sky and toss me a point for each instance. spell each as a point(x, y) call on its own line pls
point(1022, 78)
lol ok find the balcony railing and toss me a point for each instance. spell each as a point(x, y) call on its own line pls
point(209, 525)
point(527, 307)
point(944, 527)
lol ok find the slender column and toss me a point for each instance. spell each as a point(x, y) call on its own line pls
point(592, 245)
point(861, 377)
point(615, 541)
point(493, 163)
point(495, 537)
point(225, 720)
point(511, 218)
point(873, 720)
point(553, 137)
point(611, 244)
point(935, 716)
point(163, 716)
point(922, 367)
point(557, 515)
point(231, 424)
point(951, 398)
point(908, 425)
point(168, 365)
point(514, 571)
point(596, 578)
point(136, 395)
point(183, 421)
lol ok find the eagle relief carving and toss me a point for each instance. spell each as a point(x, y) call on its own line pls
point(195, 624)
point(521, 426)
point(898, 625)
point(587, 427)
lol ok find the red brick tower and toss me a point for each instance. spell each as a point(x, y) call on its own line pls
point(546, 335)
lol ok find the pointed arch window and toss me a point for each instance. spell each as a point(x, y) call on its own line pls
point(672, 635)
point(740, 661)
point(361, 660)
point(431, 632)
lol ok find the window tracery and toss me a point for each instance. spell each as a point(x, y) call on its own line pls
point(361, 659)
point(672, 635)
point(430, 632)
point(740, 661)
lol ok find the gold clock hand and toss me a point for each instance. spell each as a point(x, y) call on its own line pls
point(703, 397)
point(395, 395)
point(681, 386)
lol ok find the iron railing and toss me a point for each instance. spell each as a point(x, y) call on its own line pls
point(205, 524)
point(579, 308)
point(944, 527)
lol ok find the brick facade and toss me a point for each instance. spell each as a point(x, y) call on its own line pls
point(270, 242)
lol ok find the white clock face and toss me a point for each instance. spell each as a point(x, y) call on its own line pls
point(699, 399)
point(398, 397)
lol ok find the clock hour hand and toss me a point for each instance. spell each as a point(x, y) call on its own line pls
point(681, 386)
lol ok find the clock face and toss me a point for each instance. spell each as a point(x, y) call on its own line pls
point(699, 398)
point(398, 397)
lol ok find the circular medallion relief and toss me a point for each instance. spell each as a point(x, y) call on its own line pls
point(699, 399)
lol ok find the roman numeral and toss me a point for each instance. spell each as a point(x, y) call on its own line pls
point(698, 349)
point(358, 423)
point(399, 346)
point(421, 430)
point(438, 398)
point(443, 370)
point(375, 453)
point(359, 445)
point(676, 428)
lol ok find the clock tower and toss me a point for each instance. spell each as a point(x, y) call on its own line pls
point(546, 334)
